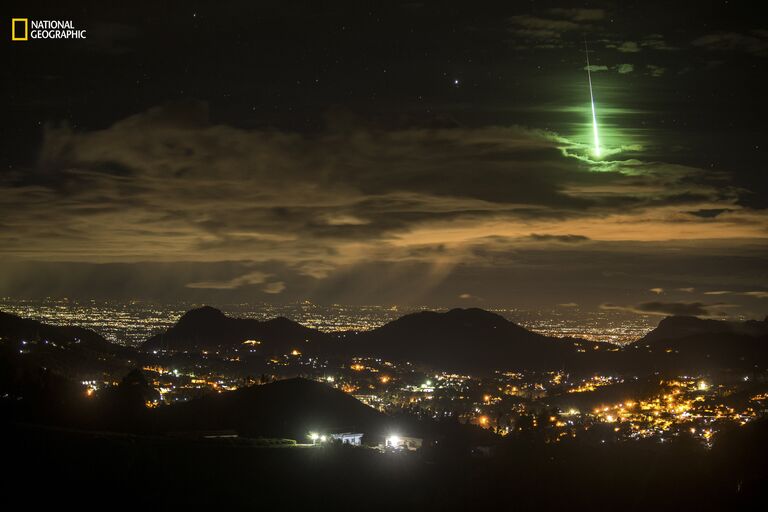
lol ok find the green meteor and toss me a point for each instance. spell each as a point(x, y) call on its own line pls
point(592, 101)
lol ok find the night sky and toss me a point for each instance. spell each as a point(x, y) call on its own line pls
point(408, 153)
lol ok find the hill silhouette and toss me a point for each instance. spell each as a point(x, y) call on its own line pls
point(703, 344)
point(471, 339)
point(16, 328)
point(466, 339)
point(287, 408)
point(68, 350)
point(209, 328)
point(676, 327)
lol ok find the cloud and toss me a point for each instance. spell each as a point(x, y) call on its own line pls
point(755, 42)
point(709, 213)
point(595, 68)
point(251, 278)
point(342, 219)
point(246, 280)
point(579, 15)
point(670, 308)
point(654, 70)
point(315, 268)
point(757, 294)
point(657, 291)
point(274, 288)
point(320, 212)
point(549, 25)
point(656, 42)
point(548, 29)
point(566, 239)
point(623, 69)
point(166, 184)
point(628, 47)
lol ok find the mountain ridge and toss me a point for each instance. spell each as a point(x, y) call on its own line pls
point(208, 328)
point(470, 338)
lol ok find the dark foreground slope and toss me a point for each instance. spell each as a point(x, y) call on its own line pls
point(209, 328)
point(66, 468)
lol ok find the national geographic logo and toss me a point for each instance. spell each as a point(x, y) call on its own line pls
point(24, 29)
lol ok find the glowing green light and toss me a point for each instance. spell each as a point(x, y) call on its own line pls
point(592, 101)
point(594, 130)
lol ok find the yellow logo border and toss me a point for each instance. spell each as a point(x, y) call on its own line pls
point(13, 29)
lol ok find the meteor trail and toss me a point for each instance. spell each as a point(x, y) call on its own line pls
point(592, 100)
